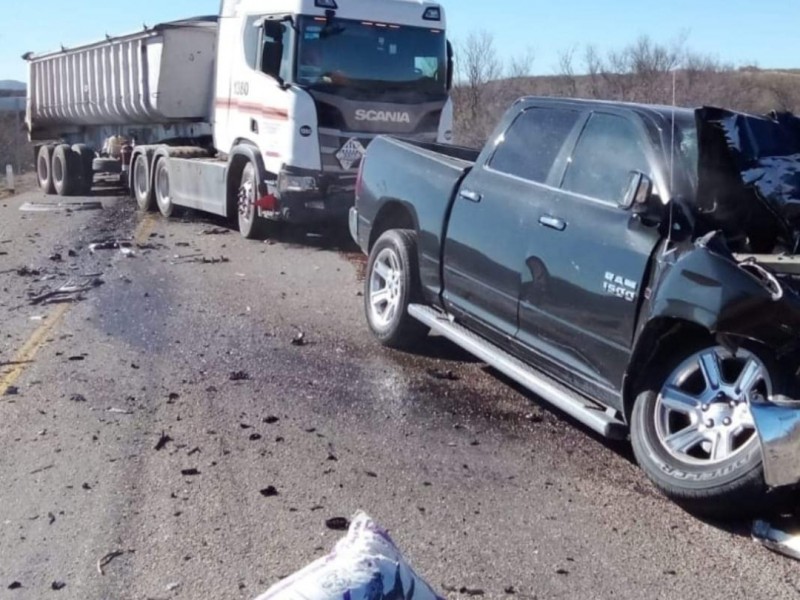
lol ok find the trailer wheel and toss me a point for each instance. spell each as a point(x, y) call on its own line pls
point(163, 193)
point(66, 170)
point(85, 156)
point(44, 169)
point(140, 184)
point(251, 225)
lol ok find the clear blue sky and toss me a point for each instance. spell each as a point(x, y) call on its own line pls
point(766, 32)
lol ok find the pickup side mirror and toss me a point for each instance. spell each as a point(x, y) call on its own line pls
point(637, 193)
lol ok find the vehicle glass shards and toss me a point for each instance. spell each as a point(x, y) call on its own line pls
point(749, 178)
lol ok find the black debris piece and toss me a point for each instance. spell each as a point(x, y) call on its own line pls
point(193, 451)
point(337, 524)
point(562, 572)
point(86, 486)
point(269, 492)
point(443, 375)
point(106, 560)
point(58, 585)
point(77, 398)
point(311, 430)
point(134, 366)
point(163, 441)
point(28, 272)
point(72, 253)
point(245, 426)
point(254, 437)
point(15, 585)
point(534, 418)
point(55, 257)
point(215, 231)
point(299, 339)
point(215, 261)
point(471, 592)
point(279, 439)
point(240, 376)
point(51, 518)
point(190, 472)
point(510, 590)
point(332, 457)
point(76, 358)
point(173, 396)
point(371, 474)
point(11, 390)
point(271, 420)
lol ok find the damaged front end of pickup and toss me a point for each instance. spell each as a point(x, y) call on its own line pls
point(738, 273)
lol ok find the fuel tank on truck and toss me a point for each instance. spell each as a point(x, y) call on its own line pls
point(160, 75)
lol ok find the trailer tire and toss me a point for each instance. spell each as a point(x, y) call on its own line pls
point(66, 170)
point(86, 158)
point(161, 185)
point(44, 169)
point(251, 225)
point(140, 184)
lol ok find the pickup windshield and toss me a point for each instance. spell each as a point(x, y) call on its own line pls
point(344, 56)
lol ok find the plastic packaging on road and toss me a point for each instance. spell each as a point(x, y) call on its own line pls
point(365, 565)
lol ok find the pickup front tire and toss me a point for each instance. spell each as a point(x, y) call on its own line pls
point(693, 433)
point(392, 283)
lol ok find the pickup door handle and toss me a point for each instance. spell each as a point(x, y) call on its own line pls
point(470, 195)
point(553, 223)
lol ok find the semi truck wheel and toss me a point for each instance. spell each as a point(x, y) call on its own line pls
point(85, 156)
point(392, 283)
point(66, 170)
point(251, 225)
point(44, 169)
point(140, 184)
point(162, 188)
point(693, 432)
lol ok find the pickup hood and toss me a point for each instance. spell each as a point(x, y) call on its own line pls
point(749, 178)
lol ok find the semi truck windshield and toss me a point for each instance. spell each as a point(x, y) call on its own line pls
point(341, 54)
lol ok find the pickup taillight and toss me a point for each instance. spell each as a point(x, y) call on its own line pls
point(360, 176)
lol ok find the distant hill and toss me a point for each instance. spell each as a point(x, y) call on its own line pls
point(12, 85)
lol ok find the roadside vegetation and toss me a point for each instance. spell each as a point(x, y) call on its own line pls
point(642, 71)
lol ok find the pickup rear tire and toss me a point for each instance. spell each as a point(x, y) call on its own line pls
point(391, 284)
point(693, 434)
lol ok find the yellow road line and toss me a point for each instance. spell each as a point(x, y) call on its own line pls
point(29, 349)
point(38, 338)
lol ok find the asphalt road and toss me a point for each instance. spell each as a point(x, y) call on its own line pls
point(483, 488)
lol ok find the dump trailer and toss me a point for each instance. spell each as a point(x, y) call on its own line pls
point(261, 112)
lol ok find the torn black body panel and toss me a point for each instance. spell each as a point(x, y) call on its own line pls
point(749, 179)
point(702, 283)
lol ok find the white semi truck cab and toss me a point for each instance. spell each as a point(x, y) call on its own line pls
point(263, 112)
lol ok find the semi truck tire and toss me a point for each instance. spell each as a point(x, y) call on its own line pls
point(162, 184)
point(251, 225)
point(66, 170)
point(44, 169)
point(391, 284)
point(85, 156)
point(140, 184)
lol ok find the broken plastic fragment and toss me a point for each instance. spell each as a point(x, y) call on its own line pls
point(781, 536)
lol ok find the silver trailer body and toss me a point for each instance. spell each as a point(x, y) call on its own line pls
point(154, 84)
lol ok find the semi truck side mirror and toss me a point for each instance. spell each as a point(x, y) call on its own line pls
point(638, 192)
point(449, 66)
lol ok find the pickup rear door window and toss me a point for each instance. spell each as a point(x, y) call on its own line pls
point(609, 148)
point(529, 148)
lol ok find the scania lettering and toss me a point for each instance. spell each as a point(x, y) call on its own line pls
point(261, 112)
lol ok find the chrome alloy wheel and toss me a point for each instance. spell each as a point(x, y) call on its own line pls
point(702, 413)
point(385, 287)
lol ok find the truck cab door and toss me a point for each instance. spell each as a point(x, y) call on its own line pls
point(487, 232)
point(587, 258)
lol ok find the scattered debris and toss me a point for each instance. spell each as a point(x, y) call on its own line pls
point(163, 441)
point(270, 420)
point(77, 398)
point(60, 206)
point(106, 560)
point(215, 231)
point(510, 590)
point(11, 390)
point(443, 375)
point(42, 469)
point(254, 437)
point(190, 472)
point(28, 272)
point(269, 491)
point(120, 411)
point(337, 524)
point(72, 291)
point(86, 486)
point(58, 585)
point(76, 358)
point(111, 245)
point(55, 257)
point(240, 376)
point(72, 253)
point(299, 339)
point(193, 451)
point(171, 587)
point(15, 585)
point(534, 418)
point(471, 592)
point(51, 518)
point(781, 536)
point(371, 474)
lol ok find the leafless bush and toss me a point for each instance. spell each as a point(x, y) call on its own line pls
point(15, 149)
point(643, 71)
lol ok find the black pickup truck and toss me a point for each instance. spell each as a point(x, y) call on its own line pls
point(632, 265)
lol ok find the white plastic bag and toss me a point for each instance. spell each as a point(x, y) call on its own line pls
point(366, 565)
